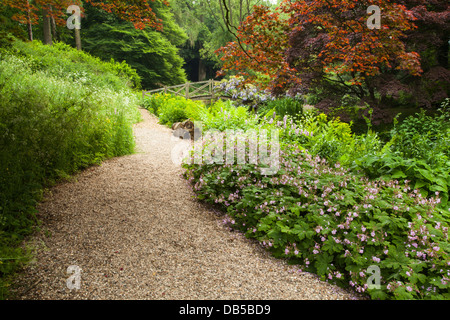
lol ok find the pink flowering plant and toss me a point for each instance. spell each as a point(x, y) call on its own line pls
point(335, 223)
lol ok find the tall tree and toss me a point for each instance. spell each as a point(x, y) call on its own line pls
point(139, 12)
point(258, 53)
point(152, 53)
point(28, 12)
point(205, 22)
point(46, 17)
point(327, 45)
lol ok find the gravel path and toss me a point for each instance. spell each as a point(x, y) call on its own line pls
point(135, 230)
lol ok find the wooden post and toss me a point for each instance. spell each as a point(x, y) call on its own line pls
point(187, 90)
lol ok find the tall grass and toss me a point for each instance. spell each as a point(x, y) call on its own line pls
point(60, 111)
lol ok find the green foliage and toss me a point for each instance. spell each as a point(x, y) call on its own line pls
point(224, 115)
point(60, 111)
point(424, 137)
point(6, 40)
point(418, 150)
point(287, 106)
point(61, 61)
point(335, 223)
point(342, 203)
point(171, 109)
point(152, 54)
point(221, 115)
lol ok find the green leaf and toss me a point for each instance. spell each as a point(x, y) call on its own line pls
point(419, 184)
point(398, 174)
point(417, 277)
point(323, 262)
point(378, 294)
point(426, 174)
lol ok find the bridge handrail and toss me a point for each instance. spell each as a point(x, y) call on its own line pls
point(185, 89)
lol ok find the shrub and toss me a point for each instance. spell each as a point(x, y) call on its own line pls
point(335, 223)
point(292, 107)
point(220, 115)
point(243, 93)
point(62, 61)
point(339, 206)
point(224, 115)
point(53, 124)
point(171, 109)
point(427, 167)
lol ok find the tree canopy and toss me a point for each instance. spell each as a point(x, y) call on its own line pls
point(327, 47)
point(324, 50)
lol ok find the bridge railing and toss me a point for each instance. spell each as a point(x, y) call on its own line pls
point(190, 90)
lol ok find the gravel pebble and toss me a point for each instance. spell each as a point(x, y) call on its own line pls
point(136, 231)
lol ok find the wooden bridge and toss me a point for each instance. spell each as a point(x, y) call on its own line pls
point(203, 90)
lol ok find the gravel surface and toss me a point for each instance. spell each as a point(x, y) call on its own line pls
point(136, 231)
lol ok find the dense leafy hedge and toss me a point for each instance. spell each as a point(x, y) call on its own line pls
point(220, 115)
point(60, 111)
point(170, 109)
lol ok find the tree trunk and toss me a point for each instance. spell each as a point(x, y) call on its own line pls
point(78, 38)
point(201, 70)
point(47, 25)
point(29, 25)
point(30, 31)
point(443, 54)
point(54, 32)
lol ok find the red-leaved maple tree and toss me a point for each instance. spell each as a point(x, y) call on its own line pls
point(306, 41)
point(259, 50)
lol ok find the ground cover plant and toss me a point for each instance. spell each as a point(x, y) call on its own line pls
point(336, 223)
point(417, 149)
point(60, 111)
point(328, 212)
